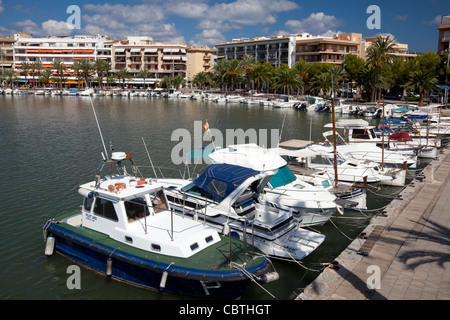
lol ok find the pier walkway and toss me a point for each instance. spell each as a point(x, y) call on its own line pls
point(405, 253)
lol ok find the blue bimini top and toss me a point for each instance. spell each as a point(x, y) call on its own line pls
point(222, 179)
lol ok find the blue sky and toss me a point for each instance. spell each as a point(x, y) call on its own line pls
point(207, 22)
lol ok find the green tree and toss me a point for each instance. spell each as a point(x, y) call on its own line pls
point(261, 74)
point(25, 67)
point(46, 75)
point(422, 81)
point(101, 67)
point(201, 79)
point(144, 74)
point(178, 81)
point(86, 69)
point(322, 82)
point(233, 71)
point(219, 72)
point(10, 75)
point(378, 54)
point(288, 79)
point(36, 68)
point(123, 75)
point(59, 66)
point(302, 68)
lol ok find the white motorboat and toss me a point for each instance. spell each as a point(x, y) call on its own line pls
point(228, 196)
point(309, 204)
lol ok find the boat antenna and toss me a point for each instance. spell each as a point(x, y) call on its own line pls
point(149, 158)
point(282, 126)
point(99, 130)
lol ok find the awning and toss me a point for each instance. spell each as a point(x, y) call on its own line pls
point(135, 50)
point(120, 50)
point(220, 180)
point(152, 50)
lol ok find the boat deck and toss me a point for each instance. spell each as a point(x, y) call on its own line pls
point(214, 260)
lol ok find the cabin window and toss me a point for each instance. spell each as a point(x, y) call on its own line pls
point(136, 209)
point(360, 134)
point(208, 239)
point(128, 239)
point(155, 247)
point(105, 208)
point(194, 246)
point(218, 187)
point(159, 201)
point(87, 203)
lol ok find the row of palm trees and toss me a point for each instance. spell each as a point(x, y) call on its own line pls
point(319, 78)
point(86, 72)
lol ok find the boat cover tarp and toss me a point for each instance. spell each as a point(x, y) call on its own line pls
point(401, 136)
point(202, 153)
point(222, 179)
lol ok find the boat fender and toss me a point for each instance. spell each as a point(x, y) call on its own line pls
point(226, 229)
point(50, 245)
point(340, 209)
point(268, 277)
point(196, 216)
point(109, 267)
point(162, 284)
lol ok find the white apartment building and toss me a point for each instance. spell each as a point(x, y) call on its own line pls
point(64, 48)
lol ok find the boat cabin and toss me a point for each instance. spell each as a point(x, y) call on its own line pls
point(136, 212)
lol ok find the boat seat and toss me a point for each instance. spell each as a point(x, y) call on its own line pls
point(245, 203)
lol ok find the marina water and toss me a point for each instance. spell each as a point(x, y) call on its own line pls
point(50, 145)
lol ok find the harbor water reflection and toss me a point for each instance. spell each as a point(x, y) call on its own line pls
point(50, 145)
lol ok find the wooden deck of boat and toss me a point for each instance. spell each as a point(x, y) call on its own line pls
point(407, 250)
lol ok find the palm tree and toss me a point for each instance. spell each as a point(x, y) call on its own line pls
point(337, 74)
point(220, 72)
point(233, 70)
point(302, 68)
point(77, 72)
point(287, 78)
point(123, 74)
point(422, 81)
point(178, 81)
point(322, 82)
point(36, 68)
point(377, 55)
point(86, 68)
point(260, 75)
point(247, 64)
point(144, 74)
point(25, 66)
point(46, 75)
point(101, 67)
point(60, 68)
point(165, 81)
point(10, 75)
point(201, 79)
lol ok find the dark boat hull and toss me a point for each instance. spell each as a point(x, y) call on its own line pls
point(148, 273)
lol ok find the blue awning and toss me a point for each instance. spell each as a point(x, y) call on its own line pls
point(222, 179)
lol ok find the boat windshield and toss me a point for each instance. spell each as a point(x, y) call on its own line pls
point(283, 177)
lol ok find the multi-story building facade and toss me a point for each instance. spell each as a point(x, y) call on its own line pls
point(199, 60)
point(276, 50)
point(399, 50)
point(6, 53)
point(65, 49)
point(444, 36)
point(159, 58)
point(328, 49)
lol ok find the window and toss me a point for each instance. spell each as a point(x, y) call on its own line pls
point(136, 209)
point(155, 247)
point(105, 208)
point(128, 239)
point(208, 239)
point(88, 203)
point(194, 246)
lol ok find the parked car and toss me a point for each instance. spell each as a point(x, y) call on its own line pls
point(392, 96)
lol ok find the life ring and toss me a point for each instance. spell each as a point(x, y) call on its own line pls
point(117, 186)
point(141, 182)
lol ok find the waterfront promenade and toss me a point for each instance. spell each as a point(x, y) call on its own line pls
point(405, 251)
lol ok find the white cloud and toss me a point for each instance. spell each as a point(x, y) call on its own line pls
point(435, 21)
point(47, 28)
point(187, 9)
point(316, 24)
point(1, 7)
point(58, 28)
point(223, 17)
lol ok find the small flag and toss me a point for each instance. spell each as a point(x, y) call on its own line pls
point(206, 126)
